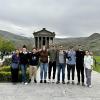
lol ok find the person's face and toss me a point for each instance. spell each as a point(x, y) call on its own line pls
point(80, 47)
point(34, 50)
point(24, 49)
point(91, 53)
point(17, 51)
point(71, 49)
point(52, 47)
point(87, 53)
point(61, 48)
point(44, 48)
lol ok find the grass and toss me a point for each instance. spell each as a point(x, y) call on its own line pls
point(97, 68)
point(97, 58)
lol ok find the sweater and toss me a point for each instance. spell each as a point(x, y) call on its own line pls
point(52, 55)
point(33, 59)
point(43, 56)
point(88, 62)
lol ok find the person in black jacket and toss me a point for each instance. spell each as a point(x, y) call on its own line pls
point(80, 65)
point(33, 64)
point(23, 63)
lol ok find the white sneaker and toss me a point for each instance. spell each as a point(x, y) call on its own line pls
point(90, 86)
point(25, 83)
point(53, 81)
point(49, 80)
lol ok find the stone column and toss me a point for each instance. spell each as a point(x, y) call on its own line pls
point(38, 42)
point(41, 42)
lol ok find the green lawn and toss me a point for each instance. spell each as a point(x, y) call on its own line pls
point(97, 68)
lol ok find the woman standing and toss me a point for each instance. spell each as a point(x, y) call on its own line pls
point(15, 66)
point(88, 64)
point(43, 64)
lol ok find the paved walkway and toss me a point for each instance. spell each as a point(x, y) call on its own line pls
point(51, 91)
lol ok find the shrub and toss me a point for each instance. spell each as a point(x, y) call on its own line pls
point(5, 69)
point(5, 74)
point(7, 62)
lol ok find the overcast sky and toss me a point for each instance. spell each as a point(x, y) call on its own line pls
point(67, 18)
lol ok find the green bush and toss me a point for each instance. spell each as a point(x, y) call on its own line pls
point(5, 74)
point(7, 62)
point(5, 69)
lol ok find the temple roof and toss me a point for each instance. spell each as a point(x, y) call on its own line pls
point(44, 32)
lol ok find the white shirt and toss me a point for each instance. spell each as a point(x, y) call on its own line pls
point(88, 62)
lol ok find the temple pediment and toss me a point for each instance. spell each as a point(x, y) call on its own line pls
point(44, 32)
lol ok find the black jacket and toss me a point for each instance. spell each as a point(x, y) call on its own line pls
point(24, 58)
point(33, 59)
point(80, 57)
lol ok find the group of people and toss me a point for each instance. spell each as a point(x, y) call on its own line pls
point(52, 59)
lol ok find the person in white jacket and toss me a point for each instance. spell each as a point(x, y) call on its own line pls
point(88, 65)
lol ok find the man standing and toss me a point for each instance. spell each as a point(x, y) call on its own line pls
point(71, 55)
point(33, 64)
point(61, 64)
point(80, 65)
point(23, 63)
point(52, 62)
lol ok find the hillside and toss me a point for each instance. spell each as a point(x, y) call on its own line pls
point(92, 42)
point(16, 39)
point(89, 43)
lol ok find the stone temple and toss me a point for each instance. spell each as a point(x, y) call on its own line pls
point(43, 37)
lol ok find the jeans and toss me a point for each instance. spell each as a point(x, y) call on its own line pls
point(61, 67)
point(88, 76)
point(23, 70)
point(43, 70)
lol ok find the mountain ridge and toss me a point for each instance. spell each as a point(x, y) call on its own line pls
point(92, 42)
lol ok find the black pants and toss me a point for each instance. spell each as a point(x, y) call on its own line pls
point(14, 74)
point(80, 70)
point(52, 65)
point(69, 69)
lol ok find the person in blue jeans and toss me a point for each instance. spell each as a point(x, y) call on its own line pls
point(43, 54)
point(15, 67)
point(61, 62)
point(71, 56)
point(24, 63)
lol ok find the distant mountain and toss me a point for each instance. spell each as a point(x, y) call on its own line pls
point(92, 42)
point(89, 43)
point(94, 36)
point(16, 39)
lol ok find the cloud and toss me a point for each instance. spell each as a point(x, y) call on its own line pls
point(66, 18)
